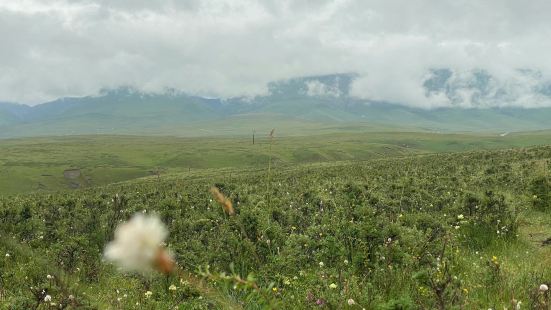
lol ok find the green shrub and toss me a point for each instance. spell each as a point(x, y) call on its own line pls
point(541, 194)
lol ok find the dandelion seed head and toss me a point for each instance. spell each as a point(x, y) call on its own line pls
point(137, 243)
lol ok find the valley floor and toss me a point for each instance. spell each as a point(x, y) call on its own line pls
point(61, 163)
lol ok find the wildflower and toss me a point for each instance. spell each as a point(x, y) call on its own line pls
point(460, 217)
point(544, 288)
point(172, 287)
point(321, 264)
point(346, 261)
point(332, 286)
point(222, 200)
point(8, 255)
point(49, 277)
point(47, 298)
point(516, 304)
point(457, 227)
point(351, 302)
point(137, 245)
point(274, 289)
point(320, 302)
point(148, 294)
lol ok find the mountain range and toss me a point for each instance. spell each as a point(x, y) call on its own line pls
point(297, 105)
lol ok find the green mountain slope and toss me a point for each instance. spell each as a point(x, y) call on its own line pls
point(294, 105)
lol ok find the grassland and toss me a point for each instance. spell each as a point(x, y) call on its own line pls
point(462, 230)
point(37, 164)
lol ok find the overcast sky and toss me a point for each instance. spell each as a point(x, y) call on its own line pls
point(225, 48)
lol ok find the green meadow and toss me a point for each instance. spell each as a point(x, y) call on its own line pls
point(38, 164)
point(408, 221)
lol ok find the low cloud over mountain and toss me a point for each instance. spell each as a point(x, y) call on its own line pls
point(234, 48)
point(294, 104)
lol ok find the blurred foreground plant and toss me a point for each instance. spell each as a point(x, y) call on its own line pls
point(139, 246)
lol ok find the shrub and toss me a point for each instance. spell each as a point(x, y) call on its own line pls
point(541, 191)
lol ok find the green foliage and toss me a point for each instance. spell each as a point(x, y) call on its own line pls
point(415, 232)
point(487, 218)
point(541, 191)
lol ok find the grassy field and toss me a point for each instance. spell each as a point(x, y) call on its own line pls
point(38, 164)
point(462, 230)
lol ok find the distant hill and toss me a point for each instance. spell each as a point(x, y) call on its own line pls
point(296, 105)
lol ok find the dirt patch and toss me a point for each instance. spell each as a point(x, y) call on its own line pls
point(72, 174)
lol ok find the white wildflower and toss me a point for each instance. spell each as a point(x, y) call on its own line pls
point(321, 264)
point(49, 277)
point(460, 217)
point(137, 245)
point(172, 287)
point(351, 302)
point(332, 286)
point(47, 298)
point(517, 304)
point(544, 288)
point(148, 294)
point(8, 255)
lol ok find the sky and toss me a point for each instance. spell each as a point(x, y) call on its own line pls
point(227, 48)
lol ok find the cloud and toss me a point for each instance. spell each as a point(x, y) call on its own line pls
point(319, 89)
point(225, 48)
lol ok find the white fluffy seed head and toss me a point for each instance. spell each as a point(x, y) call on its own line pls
point(137, 243)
